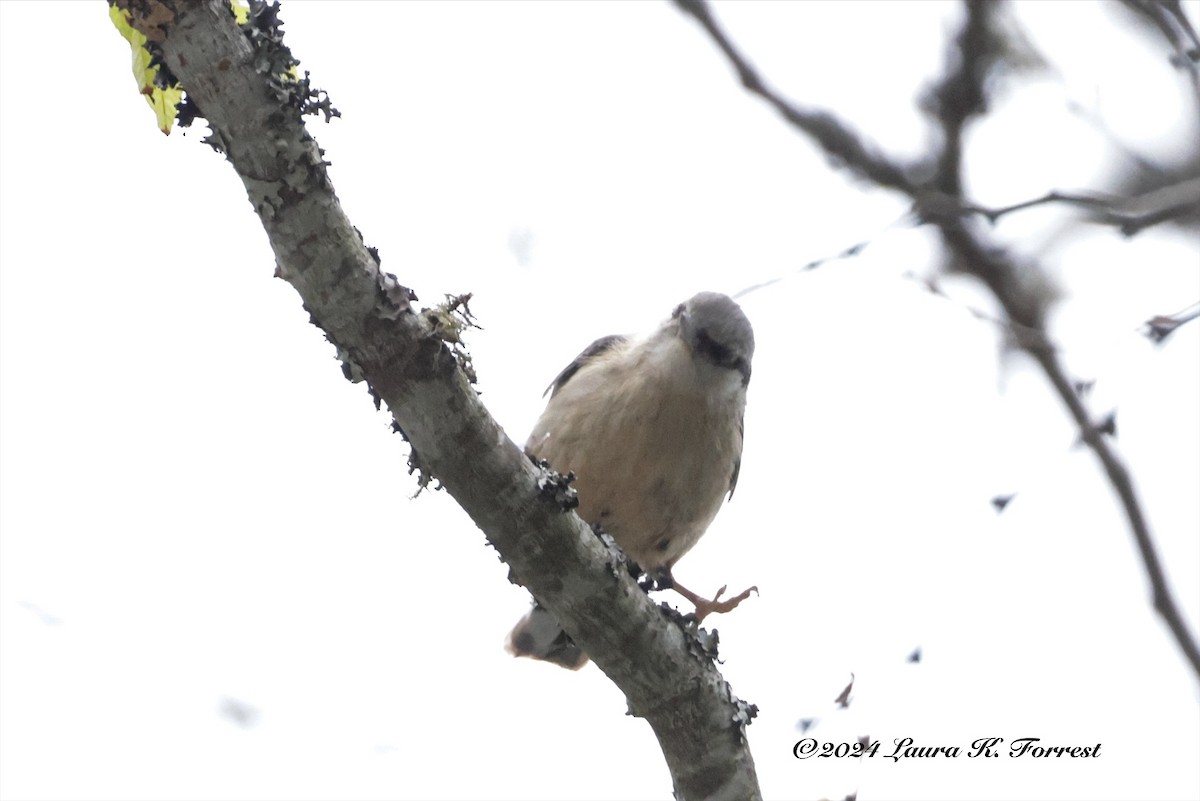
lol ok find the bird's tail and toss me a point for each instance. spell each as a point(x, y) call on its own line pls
point(539, 636)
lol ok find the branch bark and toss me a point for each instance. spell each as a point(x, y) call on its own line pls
point(660, 665)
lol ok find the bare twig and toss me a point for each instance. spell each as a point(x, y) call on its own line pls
point(1130, 215)
point(1161, 326)
point(1122, 482)
point(1192, 50)
point(1009, 293)
point(1095, 201)
point(1028, 307)
point(1025, 337)
point(1169, 17)
point(1025, 306)
point(1089, 115)
point(832, 134)
point(845, 253)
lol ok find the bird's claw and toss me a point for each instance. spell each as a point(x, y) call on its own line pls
point(706, 607)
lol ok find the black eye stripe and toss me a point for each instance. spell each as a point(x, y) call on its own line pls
point(715, 350)
point(722, 356)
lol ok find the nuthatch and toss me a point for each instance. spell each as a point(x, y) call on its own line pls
point(652, 429)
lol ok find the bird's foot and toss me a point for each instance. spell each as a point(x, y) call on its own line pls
point(705, 607)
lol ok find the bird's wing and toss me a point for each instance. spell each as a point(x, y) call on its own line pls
point(590, 352)
point(737, 461)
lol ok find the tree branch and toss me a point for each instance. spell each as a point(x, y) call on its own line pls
point(1169, 17)
point(961, 94)
point(1025, 304)
point(833, 135)
point(1009, 290)
point(665, 673)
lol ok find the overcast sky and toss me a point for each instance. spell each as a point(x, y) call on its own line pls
point(214, 584)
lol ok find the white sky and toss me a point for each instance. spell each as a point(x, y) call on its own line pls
point(196, 507)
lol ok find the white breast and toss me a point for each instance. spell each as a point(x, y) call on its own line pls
point(652, 434)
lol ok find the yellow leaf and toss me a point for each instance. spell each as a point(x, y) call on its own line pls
point(241, 12)
point(162, 101)
point(121, 20)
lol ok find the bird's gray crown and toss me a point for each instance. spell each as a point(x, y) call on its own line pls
point(716, 328)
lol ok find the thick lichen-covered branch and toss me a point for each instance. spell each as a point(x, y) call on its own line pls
point(237, 77)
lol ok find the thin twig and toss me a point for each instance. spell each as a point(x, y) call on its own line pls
point(1129, 215)
point(1175, 9)
point(1168, 16)
point(1161, 326)
point(1009, 293)
point(1095, 201)
point(845, 253)
point(1024, 336)
point(1122, 482)
point(1089, 115)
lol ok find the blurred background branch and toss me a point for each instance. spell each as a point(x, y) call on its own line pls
point(1020, 285)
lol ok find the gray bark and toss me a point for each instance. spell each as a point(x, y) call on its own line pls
point(403, 355)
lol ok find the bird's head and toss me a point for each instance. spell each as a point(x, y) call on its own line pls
point(716, 330)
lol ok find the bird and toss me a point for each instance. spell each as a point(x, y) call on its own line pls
point(652, 428)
